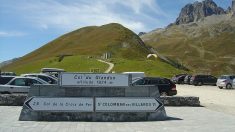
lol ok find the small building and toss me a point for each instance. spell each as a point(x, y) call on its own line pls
point(106, 55)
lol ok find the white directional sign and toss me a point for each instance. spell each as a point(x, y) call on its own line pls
point(127, 104)
point(94, 80)
point(60, 104)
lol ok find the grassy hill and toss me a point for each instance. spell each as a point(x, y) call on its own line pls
point(204, 47)
point(71, 63)
point(78, 50)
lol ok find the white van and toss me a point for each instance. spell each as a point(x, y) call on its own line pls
point(135, 75)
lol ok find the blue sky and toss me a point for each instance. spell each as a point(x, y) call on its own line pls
point(26, 25)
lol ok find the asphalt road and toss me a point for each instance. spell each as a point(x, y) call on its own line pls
point(211, 97)
point(183, 119)
point(216, 115)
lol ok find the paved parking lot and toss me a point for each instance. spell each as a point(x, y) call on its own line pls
point(217, 115)
point(221, 100)
point(193, 119)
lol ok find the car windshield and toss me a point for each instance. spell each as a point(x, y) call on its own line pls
point(139, 81)
point(223, 77)
point(42, 81)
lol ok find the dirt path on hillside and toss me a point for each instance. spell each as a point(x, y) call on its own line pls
point(111, 65)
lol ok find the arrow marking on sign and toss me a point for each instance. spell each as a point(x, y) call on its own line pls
point(27, 103)
point(160, 104)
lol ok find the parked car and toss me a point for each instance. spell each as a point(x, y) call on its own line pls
point(187, 79)
point(233, 83)
point(7, 74)
point(179, 79)
point(54, 72)
point(225, 81)
point(5, 79)
point(199, 80)
point(135, 75)
point(20, 84)
point(45, 77)
point(165, 86)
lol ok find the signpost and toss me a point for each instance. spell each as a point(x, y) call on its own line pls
point(94, 80)
point(93, 97)
point(115, 104)
point(126, 104)
point(60, 104)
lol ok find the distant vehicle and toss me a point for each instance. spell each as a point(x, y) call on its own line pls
point(187, 79)
point(20, 85)
point(45, 77)
point(233, 83)
point(5, 79)
point(52, 71)
point(7, 74)
point(178, 79)
point(225, 81)
point(199, 80)
point(165, 86)
point(135, 75)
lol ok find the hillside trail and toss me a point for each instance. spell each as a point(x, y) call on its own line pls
point(111, 65)
point(201, 50)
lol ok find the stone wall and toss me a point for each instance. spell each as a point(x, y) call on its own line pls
point(18, 99)
point(180, 101)
point(12, 99)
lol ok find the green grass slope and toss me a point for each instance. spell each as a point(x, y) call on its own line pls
point(203, 48)
point(71, 64)
point(114, 38)
point(87, 44)
point(150, 67)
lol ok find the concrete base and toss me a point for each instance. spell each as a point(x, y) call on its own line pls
point(56, 91)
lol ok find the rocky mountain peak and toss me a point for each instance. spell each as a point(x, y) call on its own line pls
point(233, 6)
point(197, 11)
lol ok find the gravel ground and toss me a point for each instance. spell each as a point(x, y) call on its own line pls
point(211, 97)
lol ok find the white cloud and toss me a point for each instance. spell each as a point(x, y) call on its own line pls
point(72, 15)
point(11, 34)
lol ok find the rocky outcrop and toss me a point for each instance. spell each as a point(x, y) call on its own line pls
point(141, 33)
point(197, 11)
point(233, 6)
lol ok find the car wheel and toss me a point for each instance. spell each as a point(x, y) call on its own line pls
point(163, 94)
point(228, 86)
point(5, 92)
point(199, 83)
point(220, 87)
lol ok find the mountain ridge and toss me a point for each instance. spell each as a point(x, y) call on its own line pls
point(197, 11)
point(205, 46)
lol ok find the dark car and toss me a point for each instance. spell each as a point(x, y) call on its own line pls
point(165, 86)
point(199, 80)
point(7, 73)
point(187, 79)
point(5, 79)
point(179, 79)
